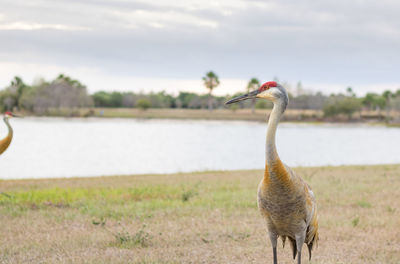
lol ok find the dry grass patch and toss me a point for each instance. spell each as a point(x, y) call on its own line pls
point(207, 217)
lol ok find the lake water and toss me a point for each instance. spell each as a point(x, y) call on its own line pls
point(56, 147)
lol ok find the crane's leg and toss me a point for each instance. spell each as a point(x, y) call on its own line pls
point(274, 241)
point(299, 244)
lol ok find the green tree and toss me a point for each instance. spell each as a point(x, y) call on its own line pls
point(253, 85)
point(388, 95)
point(102, 99)
point(374, 101)
point(262, 104)
point(349, 105)
point(184, 99)
point(380, 102)
point(342, 105)
point(143, 104)
point(28, 99)
point(7, 100)
point(116, 99)
point(11, 97)
point(20, 87)
point(368, 100)
point(161, 100)
point(210, 82)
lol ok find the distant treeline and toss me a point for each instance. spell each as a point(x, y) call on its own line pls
point(63, 92)
point(66, 92)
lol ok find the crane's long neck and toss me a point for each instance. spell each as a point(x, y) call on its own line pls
point(274, 168)
point(5, 142)
point(274, 118)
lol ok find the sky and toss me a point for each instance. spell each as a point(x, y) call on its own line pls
point(148, 45)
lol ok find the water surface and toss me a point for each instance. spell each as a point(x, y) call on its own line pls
point(56, 147)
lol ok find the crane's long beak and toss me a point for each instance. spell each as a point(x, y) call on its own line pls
point(14, 115)
point(250, 95)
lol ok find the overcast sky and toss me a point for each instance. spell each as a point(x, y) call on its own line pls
point(149, 45)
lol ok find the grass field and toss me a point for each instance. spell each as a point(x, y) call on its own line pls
point(205, 217)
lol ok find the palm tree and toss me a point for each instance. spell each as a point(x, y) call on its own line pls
point(17, 87)
point(210, 81)
point(388, 95)
point(253, 84)
point(350, 91)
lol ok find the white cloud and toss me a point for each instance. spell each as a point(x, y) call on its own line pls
point(222, 6)
point(37, 26)
point(140, 17)
point(156, 25)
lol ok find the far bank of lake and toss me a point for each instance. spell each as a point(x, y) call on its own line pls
point(291, 115)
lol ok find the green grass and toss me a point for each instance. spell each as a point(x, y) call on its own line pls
point(116, 202)
point(124, 239)
point(355, 221)
point(364, 204)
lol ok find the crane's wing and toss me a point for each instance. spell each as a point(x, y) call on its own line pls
point(4, 143)
point(311, 212)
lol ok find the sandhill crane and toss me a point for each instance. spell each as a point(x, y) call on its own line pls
point(5, 142)
point(285, 201)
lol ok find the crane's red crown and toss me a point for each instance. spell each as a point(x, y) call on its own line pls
point(8, 113)
point(267, 85)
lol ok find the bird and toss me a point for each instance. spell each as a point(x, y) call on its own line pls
point(5, 142)
point(285, 201)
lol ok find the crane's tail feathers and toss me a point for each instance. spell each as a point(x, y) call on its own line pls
point(293, 246)
point(312, 237)
point(283, 241)
point(309, 250)
point(311, 243)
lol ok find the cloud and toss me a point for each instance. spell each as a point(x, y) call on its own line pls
point(223, 6)
point(38, 26)
point(140, 17)
point(331, 43)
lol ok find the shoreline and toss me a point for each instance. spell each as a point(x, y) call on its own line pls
point(175, 174)
point(285, 122)
point(260, 115)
